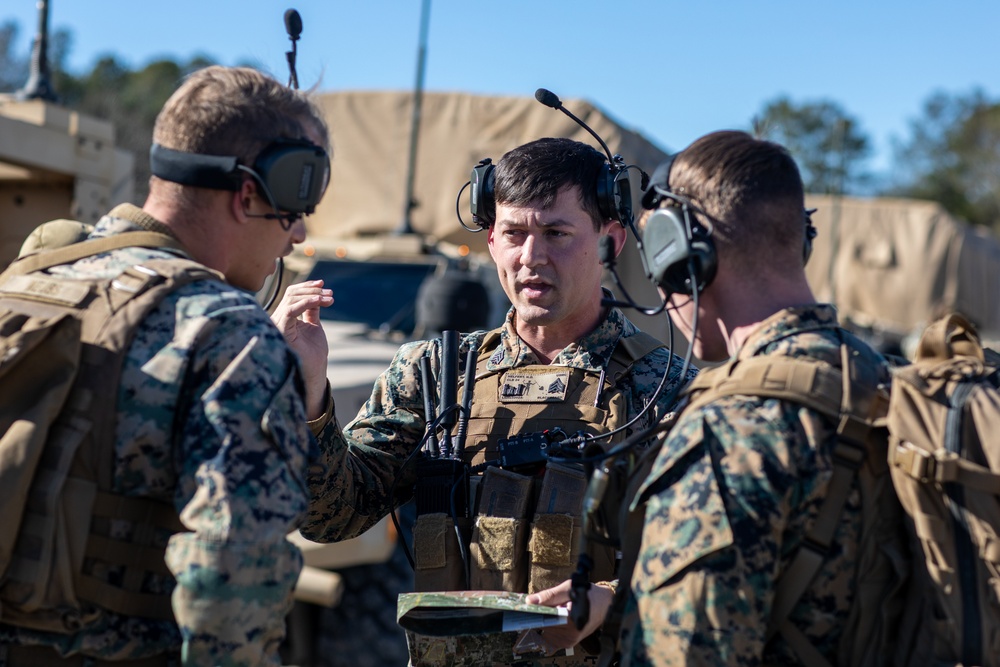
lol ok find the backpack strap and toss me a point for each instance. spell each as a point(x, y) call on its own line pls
point(852, 402)
point(46, 259)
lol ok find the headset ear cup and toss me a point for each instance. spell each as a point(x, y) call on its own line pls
point(606, 194)
point(807, 246)
point(481, 199)
point(706, 261)
point(701, 260)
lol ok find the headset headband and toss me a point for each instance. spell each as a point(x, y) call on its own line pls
point(294, 172)
point(216, 172)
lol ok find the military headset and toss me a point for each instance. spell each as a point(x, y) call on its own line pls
point(613, 190)
point(292, 173)
point(677, 250)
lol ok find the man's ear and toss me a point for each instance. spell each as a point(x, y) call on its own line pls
point(242, 200)
point(489, 241)
point(619, 235)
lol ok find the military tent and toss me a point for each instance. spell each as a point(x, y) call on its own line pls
point(891, 265)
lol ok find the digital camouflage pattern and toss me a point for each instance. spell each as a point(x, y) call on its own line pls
point(361, 462)
point(727, 503)
point(210, 418)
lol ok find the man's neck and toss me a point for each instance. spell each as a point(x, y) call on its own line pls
point(548, 341)
point(744, 316)
point(199, 238)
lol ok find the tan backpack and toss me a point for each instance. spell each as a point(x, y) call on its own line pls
point(62, 345)
point(946, 471)
point(927, 590)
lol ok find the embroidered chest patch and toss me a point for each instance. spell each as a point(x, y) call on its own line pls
point(534, 385)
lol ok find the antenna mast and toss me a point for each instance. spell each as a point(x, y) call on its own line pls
point(39, 86)
point(406, 226)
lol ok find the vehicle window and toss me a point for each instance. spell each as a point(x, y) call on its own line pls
point(377, 294)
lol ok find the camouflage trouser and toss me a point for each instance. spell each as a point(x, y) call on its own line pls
point(492, 650)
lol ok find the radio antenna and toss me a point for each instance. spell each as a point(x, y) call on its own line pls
point(39, 85)
point(409, 201)
point(293, 24)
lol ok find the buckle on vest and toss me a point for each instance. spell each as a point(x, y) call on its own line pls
point(135, 279)
point(939, 467)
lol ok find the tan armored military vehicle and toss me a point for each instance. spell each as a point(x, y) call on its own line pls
point(55, 163)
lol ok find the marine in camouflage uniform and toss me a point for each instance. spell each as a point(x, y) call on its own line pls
point(205, 368)
point(732, 492)
point(367, 462)
point(739, 480)
point(592, 369)
point(211, 418)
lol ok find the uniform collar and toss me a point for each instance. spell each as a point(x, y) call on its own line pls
point(128, 218)
point(591, 352)
point(787, 322)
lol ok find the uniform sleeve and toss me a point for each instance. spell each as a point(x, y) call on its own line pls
point(717, 504)
point(242, 456)
point(366, 469)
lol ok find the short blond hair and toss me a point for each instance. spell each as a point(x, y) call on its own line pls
point(236, 111)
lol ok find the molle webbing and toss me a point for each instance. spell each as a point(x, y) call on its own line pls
point(139, 556)
point(856, 405)
point(588, 405)
point(73, 524)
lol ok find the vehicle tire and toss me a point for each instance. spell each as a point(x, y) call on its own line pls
point(362, 631)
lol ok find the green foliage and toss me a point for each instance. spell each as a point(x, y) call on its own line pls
point(111, 90)
point(828, 144)
point(953, 157)
point(130, 99)
point(13, 70)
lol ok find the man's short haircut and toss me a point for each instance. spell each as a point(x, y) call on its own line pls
point(236, 111)
point(535, 172)
point(750, 188)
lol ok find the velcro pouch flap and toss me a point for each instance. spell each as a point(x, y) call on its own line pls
point(497, 539)
point(551, 539)
point(429, 540)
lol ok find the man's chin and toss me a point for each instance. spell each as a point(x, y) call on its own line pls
point(534, 315)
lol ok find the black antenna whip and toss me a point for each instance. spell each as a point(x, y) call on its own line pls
point(293, 24)
point(39, 85)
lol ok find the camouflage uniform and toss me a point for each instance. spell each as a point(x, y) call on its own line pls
point(363, 463)
point(727, 503)
point(211, 419)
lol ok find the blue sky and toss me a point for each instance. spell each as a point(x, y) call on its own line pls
point(672, 71)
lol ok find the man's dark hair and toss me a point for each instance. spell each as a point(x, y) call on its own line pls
point(535, 172)
point(751, 189)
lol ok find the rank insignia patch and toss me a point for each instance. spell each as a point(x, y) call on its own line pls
point(534, 385)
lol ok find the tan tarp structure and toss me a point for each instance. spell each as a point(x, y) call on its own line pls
point(371, 133)
point(893, 264)
point(898, 262)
